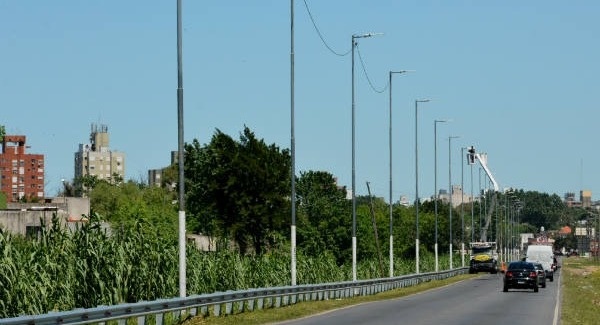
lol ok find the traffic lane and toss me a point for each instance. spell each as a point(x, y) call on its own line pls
point(474, 301)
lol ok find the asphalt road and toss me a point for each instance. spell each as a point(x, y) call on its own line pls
point(478, 301)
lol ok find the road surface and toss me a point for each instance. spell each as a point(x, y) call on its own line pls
point(477, 301)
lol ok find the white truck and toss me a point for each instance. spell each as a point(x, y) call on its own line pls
point(542, 254)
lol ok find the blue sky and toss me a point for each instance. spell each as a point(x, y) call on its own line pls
point(519, 79)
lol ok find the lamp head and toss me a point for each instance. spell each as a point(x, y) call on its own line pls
point(365, 35)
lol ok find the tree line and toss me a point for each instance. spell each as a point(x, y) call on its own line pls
point(239, 190)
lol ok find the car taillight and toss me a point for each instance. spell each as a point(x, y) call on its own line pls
point(533, 274)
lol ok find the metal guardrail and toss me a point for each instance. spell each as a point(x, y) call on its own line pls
point(229, 302)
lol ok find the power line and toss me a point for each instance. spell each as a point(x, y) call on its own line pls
point(362, 63)
point(321, 35)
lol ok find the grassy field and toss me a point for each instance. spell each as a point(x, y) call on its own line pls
point(581, 291)
point(310, 308)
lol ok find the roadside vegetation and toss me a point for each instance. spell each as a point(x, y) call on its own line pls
point(237, 192)
point(581, 290)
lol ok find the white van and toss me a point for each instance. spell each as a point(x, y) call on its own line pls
point(542, 254)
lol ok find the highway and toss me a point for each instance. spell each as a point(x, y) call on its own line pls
point(477, 301)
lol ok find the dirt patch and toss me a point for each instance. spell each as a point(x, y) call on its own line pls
point(586, 270)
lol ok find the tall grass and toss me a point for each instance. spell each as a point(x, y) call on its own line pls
point(62, 270)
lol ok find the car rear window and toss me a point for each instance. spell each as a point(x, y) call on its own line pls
point(520, 266)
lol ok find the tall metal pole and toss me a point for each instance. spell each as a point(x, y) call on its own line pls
point(462, 205)
point(391, 198)
point(417, 180)
point(472, 209)
point(354, 44)
point(353, 175)
point(479, 204)
point(435, 191)
point(450, 189)
point(181, 215)
point(293, 148)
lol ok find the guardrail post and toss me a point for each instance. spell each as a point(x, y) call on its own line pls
point(204, 311)
point(217, 310)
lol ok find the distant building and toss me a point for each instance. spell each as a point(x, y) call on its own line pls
point(97, 159)
point(585, 199)
point(458, 196)
point(22, 174)
point(156, 176)
point(585, 196)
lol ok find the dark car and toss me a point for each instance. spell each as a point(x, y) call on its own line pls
point(541, 274)
point(521, 275)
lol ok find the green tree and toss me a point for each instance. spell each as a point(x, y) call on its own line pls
point(238, 189)
point(131, 202)
point(324, 217)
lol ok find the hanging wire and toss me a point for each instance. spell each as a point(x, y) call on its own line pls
point(321, 35)
point(362, 63)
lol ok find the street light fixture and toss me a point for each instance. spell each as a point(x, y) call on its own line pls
point(450, 189)
point(435, 194)
point(391, 200)
point(354, 44)
point(417, 179)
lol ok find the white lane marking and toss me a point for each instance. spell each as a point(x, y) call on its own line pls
point(556, 308)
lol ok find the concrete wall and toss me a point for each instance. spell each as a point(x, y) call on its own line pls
point(19, 217)
point(19, 222)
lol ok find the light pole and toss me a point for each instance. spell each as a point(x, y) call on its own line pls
point(181, 214)
point(391, 199)
point(479, 204)
point(435, 194)
point(472, 208)
point(450, 188)
point(293, 151)
point(417, 179)
point(354, 44)
point(462, 205)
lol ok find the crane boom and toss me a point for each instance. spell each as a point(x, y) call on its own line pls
point(482, 158)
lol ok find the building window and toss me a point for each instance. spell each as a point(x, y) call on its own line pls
point(33, 231)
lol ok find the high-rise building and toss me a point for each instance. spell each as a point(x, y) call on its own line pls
point(96, 159)
point(585, 197)
point(22, 174)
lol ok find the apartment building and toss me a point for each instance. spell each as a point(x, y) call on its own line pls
point(22, 174)
point(97, 159)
